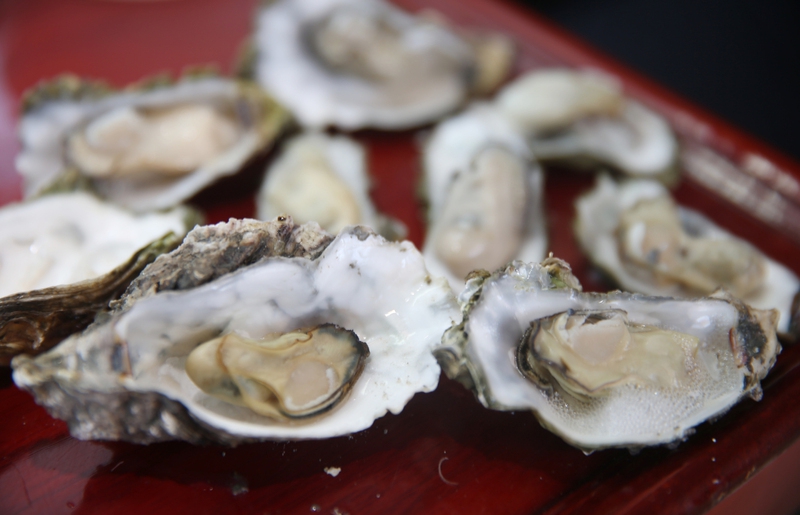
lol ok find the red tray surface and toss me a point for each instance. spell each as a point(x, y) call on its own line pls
point(444, 453)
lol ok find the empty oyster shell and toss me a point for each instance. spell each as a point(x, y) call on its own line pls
point(145, 148)
point(582, 118)
point(485, 196)
point(637, 234)
point(605, 370)
point(323, 179)
point(126, 378)
point(365, 63)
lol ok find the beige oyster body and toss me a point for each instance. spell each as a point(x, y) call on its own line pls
point(324, 179)
point(341, 330)
point(605, 370)
point(485, 196)
point(146, 147)
point(364, 63)
point(582, 118)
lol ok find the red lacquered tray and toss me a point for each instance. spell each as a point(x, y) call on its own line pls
point(444, 453)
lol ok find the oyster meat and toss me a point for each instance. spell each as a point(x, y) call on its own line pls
point(485, 196)
point(145, 148)
point(582, 118)
point(339, 338)
point(365, 63)
point(605, 370)
point(321, 178)
point(647, 243)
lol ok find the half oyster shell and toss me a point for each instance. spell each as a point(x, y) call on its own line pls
point(71, 237)
point(485, 194)
point(321, 178)
point(637, 234)
point(582, 118)
point(147, 147)
point(36, 321)
point(365, 63)
point(126, 378)
point(605, 370)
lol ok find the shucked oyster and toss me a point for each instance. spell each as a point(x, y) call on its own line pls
point(636, 233)
point(127, 378)
point(485, 196)
point(583, 118)
point(70, 237)
point(36, 321)
point(144, 148)
point(323, 179)
point(605, 370)
point(364, 63)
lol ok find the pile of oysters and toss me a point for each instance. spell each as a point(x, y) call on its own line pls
point(129, 319)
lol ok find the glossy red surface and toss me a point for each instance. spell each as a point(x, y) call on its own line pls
point(444, 453)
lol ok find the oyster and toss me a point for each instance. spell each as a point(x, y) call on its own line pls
point(70, 237)
point(145, 148)
point(485, 196)
point(605, 370)
point(323, 179)
point(126, 378)
point(36, 321)
point(637, 234)
point(583, 118)
point(365, 63)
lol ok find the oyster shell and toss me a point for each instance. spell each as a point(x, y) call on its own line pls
point(36, 321)
point(605, 370)
point(70, 237)
point(485, 196)
point(145, 148)
point(582, 118)
point(126, 378)
point(323, 179)
point(647, 243)
point(365, 63)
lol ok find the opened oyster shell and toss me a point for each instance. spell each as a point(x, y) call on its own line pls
point(146, 147)
point(365, 63)
point(36, 321)
point(605, 370)
point(485, 195)
point(582, 118)
point(126, 378)
point(647, 243)
point(321, 178)
point(70, 237)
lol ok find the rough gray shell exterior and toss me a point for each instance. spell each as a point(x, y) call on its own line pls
point(144, 417)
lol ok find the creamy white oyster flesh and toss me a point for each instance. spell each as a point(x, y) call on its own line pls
point(647, 243)
point(146, 149)
point(169, 141)
point(485, 196)
point(70, 237)
point(609, 370)
point(364, 63)
point(583, 117)
point(320, 178)
point(381, 291)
